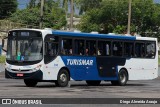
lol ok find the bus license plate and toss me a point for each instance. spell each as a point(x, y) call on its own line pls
point(19, 75)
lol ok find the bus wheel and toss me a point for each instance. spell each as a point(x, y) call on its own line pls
point(122, 77)
point(30, 83)
point(93, 83)
point(63, 78)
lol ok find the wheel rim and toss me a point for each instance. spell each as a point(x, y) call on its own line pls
point(122, 77)
point(63, 78)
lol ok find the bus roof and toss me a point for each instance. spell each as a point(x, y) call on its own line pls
point(80, 34)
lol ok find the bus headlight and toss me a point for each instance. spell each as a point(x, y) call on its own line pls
point(36, 68)
point(8, 68)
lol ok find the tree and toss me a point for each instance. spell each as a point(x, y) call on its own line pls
point(85, 5)
point(26, 16)
point(54, 17)
point(7, 7)
point(65, 6)
point(32, 4)
point(112, 16)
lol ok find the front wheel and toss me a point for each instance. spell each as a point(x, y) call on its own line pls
point(122, 78)
point(30, 83)
point(63, 78)
point(93, 83)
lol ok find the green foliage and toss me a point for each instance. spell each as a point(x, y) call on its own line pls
point(85, 5)
point(26, 16)
point(32, 4)
point(65, 4)
point(7, 7)
point(54, 17)
point(119, 29)
point(112, 16)
point(2, 59)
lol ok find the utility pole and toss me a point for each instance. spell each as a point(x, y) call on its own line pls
point(129, 18)
point(41, 17)
point(71, 17)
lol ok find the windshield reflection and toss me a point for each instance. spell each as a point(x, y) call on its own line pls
point(25, 50)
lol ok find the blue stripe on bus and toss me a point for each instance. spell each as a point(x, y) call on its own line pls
point(85, 71)
point(75, 34)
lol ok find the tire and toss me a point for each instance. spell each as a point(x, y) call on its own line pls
point(63, 78)
point(56, 83)
point(122, 78)
point(93, 83)
point(115, 83)
point(30, 83)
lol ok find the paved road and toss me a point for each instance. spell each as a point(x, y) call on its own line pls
point(137, 89)
point(134, 89)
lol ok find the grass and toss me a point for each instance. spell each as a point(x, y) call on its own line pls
point(2, 59)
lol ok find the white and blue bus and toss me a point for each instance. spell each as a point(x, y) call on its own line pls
point(36, 55)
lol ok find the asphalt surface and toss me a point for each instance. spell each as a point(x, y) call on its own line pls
point(134, 89)
point(10, 88)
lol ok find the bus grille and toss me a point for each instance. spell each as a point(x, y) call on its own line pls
point(20, 70)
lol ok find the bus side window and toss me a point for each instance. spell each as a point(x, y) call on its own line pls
point(117, 48)
point(140, 50)
point(128, 49)
point(66, 47)
point(150, 50)
point(51, 49)
point(79, 47)
point(104, 48)
point(90, 47)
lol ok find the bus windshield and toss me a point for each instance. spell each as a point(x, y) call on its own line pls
point(24, 46)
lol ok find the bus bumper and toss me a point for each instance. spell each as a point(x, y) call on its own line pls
point(38, 75)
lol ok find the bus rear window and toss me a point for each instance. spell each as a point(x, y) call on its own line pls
point(150, 50)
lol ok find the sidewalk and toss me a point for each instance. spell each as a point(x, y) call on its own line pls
point(2, 74)
point(2, 67)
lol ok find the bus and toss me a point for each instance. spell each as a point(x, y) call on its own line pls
point(46, 55)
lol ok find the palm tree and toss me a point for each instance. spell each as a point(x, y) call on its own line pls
point(85, 5)
point(65, 6)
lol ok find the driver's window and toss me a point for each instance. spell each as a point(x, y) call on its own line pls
point(51, 50)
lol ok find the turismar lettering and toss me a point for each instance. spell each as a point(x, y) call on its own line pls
point(79, 62)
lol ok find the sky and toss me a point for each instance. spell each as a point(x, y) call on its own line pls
point(157, 1)
point(23, 3)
